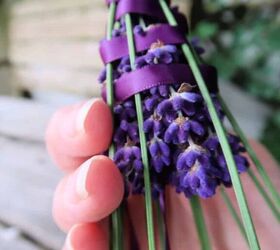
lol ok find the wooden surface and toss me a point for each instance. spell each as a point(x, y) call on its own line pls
point(11, 239)
point(27, 178)
point(53, 45)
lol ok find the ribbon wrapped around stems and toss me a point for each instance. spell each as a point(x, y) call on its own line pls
point(157, 75)
point(116, 48)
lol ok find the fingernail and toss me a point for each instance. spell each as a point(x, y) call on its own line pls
point(82, 115)
point(81, 184)
point(68, 242)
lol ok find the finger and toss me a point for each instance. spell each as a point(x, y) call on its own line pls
point(89, 194)
point(223, 230)
point(137, 217)
point(92, 236)
point(269, 163)
point(180, 223)
point(136, 213)
point(87, 236)
point(77, 132)
point(267, 227)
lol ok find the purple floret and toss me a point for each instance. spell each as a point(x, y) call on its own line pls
point(160, 154)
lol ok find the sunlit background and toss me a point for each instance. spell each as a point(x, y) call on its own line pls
point(49, 57)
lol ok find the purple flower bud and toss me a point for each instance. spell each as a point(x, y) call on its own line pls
point(125, 111)
point(138, 30)
point(131, 129)
point(188, 158)
point(157, 56)
point(124, 66)
point(153, 126)
point(197, 181)
point(195, 42)
point(140, 62)
point(190, 97)
point(116, 33)
point(102, 76)
point(160, 153)
point(178, 131)
point(165, 109)
point(197, 128)
point(163, 90)
point(119, 137)
point(128, 157)
point(212, 143)
point(151, 102)
point(170, 48)
point(241, 163)
point(171, 131)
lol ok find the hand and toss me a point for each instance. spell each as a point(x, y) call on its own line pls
point(93, 188)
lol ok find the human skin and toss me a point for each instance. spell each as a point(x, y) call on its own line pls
point(92, 189)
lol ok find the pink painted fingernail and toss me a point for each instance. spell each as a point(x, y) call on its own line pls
point(82, 114)
point(81, 181)
point(68, 243)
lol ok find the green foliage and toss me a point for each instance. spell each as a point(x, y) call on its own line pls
point(243, 42)
point(271, 137)
point(245, 47)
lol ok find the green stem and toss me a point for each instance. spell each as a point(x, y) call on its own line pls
point(221, 133)
point(117, 232)
point(116, 227)
point(233, 213)
point(109, 72)
point(161, 226)
point(200, 223)
point(160, 215)
point(251, 153)
point(264, 194)
point(143, 142)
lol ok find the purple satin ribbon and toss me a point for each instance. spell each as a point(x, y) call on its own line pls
point(111, 1)
point(151, 76)
point(116, 1)
point(116, 48)
point(144, 7)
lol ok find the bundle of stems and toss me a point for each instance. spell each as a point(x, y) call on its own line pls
point(269, 193)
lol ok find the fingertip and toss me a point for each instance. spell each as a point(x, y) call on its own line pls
point(86, 237)
point(102, 187)
point(99, 118)
point(87, 130)
point(89, 194)
point(79, 132)
point(104, 177)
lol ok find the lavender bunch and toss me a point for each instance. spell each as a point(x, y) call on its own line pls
point(174, 134)
point(184, 150)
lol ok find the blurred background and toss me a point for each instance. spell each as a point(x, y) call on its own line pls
point(49, 58)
